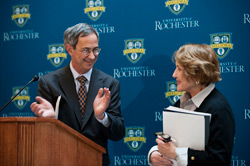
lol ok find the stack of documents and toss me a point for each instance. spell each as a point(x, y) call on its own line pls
point(188, 128)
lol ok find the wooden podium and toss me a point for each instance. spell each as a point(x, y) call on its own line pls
point(45, 142)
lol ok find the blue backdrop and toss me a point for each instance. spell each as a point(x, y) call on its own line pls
point(138, 39)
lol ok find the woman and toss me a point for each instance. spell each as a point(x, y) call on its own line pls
point(197, 70)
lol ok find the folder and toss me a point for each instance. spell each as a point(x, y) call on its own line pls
point(189, 128)
point(57, 106)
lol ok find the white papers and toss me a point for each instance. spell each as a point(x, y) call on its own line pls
point(57, 106)
point(188, 128)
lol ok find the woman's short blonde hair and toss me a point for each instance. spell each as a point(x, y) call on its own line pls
point(200, 62)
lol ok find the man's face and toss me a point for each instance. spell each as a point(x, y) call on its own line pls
point(82, 63)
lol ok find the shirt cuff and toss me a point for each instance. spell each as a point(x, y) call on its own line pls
point(181, 156)
point(154, 148)
point(105, 122)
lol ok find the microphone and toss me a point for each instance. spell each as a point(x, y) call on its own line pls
point(34, 79)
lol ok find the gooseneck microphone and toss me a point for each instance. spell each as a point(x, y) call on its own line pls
point(35, 78)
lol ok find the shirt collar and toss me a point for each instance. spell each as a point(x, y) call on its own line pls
point(200, 97)
point(197, 99)
point(76, 74)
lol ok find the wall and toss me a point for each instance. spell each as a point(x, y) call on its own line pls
point(32, 43)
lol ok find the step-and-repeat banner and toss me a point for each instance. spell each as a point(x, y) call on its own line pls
point(138, 39)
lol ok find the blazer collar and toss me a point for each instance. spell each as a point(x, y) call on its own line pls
point(95, 84)
point(68, 86)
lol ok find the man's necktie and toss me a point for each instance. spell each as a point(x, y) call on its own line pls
point(82, 93)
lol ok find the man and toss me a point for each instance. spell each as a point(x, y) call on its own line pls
point(99, 117)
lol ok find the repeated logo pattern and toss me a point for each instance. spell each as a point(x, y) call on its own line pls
point(221, 43)
point(176, 6)
point(57, 54)
point(134, 137)
point(22, 99)
point(134, 49)
point(21, 14)
point(94, 9)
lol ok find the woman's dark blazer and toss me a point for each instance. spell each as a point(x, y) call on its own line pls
point(221, 136)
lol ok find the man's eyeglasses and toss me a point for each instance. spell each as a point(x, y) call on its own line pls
point(87, 51)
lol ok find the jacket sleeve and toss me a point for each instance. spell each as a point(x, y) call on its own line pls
point(220, 144)
point(116, 130)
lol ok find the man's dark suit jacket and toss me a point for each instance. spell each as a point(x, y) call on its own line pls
point(61, 82)
point(221, 137)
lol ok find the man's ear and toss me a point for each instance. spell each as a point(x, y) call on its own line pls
point(69, 49)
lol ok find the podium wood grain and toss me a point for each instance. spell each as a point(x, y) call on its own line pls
point(45, 142)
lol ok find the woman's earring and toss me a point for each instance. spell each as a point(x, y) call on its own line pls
point(197, 82)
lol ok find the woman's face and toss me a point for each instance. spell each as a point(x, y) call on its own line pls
point(184, 83)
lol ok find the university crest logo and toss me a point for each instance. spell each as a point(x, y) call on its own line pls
point(221, 43)
point(172, 94)
point(21, 14)
point(176, 6)
point(94, 9)
point(134, 137)
point(56, 54)
point(21, 100)
point(134, 49)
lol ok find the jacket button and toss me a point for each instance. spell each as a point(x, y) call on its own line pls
point(192, 158)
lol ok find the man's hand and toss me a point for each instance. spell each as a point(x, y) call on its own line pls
point(101, 102)
point(42, 108)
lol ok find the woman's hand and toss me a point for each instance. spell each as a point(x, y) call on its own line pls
point(167, 149)
point(157, 159)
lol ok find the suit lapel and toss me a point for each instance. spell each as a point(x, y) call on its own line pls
point(68, 86)
point(94, 86)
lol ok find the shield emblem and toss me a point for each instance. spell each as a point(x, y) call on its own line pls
point(134, 49)
point(134, 138)
point(22, 99)
point(172, 94)
point(21, 14)
point(94, 9)
point(57, 54)
point(221, 43)
point(176, 6)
